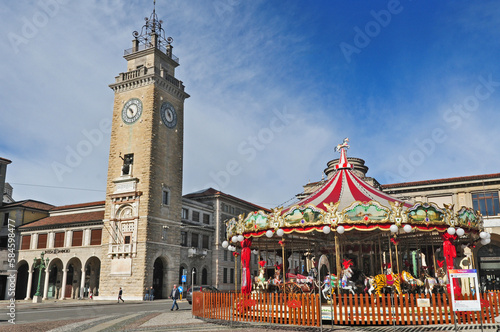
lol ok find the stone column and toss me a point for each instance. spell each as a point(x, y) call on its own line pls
point(46, 284)
point(63, 285)
point(28, 288)
point(82, 283)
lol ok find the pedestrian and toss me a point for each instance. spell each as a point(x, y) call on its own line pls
point(120, 293)
point(151, 294)
point(175, 296)
point(146, 296)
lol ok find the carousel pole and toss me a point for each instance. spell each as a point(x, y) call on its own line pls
point(282, 242)
point(433, 257)
point(390, 251)
point(397, 257)
point(337, 255)
point(380, 253)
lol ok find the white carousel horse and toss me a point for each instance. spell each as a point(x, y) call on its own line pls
point(329, 286)
point(345, 282)
point(260, 282)
point(430, 284)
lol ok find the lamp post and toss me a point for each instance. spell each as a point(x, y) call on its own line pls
point(40, 266)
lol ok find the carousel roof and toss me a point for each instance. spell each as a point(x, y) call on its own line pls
point(345, 187)
point(347, 203)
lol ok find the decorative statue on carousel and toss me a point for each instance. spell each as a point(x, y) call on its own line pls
point(345, 282)
point(441, 275)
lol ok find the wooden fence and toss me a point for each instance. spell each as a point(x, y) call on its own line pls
point(359, 309)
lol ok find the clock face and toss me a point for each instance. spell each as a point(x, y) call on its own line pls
point(132, 111)
point(168, 115)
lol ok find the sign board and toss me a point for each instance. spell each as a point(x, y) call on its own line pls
point(458, 277)
point(183, 279)
point(180, 289)
point(423, 303)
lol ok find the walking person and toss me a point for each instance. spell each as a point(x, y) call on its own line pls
point(175, 296)
point(146, 296)
point(120, 293)
point(151, 293)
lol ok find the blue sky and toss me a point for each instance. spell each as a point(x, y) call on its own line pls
point(274, 87)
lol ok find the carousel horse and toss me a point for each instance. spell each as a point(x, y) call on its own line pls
point(414, 283)
point(345, 282)
point(260, 282)
point(430, 283)
point(329, 285)
point(442, 276)
point(380, 281)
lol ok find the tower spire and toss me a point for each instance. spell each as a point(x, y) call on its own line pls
point(152, 35)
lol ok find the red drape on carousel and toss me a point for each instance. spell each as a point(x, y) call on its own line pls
point(450, 253)
point(246, 281)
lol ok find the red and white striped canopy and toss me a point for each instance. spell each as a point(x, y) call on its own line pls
point(346, 187)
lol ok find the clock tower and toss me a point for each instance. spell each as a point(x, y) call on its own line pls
point(141, 240)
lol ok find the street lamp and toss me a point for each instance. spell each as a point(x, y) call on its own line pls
point(40, 266)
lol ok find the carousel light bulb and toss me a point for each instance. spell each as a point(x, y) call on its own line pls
point(350, 251)
point(269, 233)
point(451, 230)
point(234, 239)
point(340, 229)
point(326, 229)
point(407, 228)
point(488, 235)
point(460, 231)
point(225, 244)
point(280, 232)
point(241, 238)
point(394, 228)
point(483, 235)
point(485, 241)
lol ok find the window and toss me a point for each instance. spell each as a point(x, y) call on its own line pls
point(225, 255)
point(194, 240)
point(232, 258)
point(6, 219)
point(59, 240)
point(166, 197)
point(255, 259)
point(205, 241)
point(224, 276)
point(206, 219)
point(25, 242)
point(95, 237)
point(77, 239)
point(164, 232)
point(184, 239)
point(196, 216)
point(42, 241)
point(4, 241)
point(185, 213)
point(486, 203)
point(231, 276)
point(127, 239)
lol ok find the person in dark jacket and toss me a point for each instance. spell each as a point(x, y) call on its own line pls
point(151, 293)
point(175, 296)
point(120, 293)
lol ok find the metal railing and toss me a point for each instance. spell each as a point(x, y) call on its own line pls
point(143, 47)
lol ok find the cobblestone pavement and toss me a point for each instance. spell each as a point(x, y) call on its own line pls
point(182, 320)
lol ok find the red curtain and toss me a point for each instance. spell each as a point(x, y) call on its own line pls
point(246, 281)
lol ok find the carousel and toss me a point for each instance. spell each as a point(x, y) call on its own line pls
point(348, 238)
